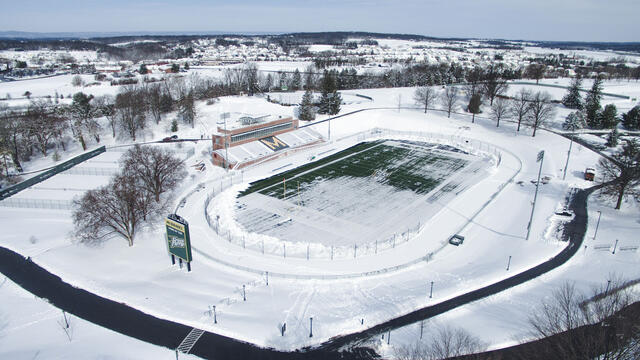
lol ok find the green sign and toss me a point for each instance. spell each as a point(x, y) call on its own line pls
point(178, 239)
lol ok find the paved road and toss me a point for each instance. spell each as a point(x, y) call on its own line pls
point(574, 233)
point(129, 321)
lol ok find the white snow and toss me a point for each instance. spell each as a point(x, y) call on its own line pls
point(335, 293)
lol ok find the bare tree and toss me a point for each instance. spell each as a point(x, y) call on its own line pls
point(116, 210)
point(105, 106)
point(446, 342)
point(622, 173)
point(11, 140)
point(520, 106)
point(541, 110)
point(130, 109)
point(494, 85)
point(499, 110)
point(536, 71)
point(579, 327)
point(77, 81)
point(474, 78)
point(450, 99)
point(425, 96)
point(43, 125)
point(157, 170)
point(154, 101)
point(252, 78)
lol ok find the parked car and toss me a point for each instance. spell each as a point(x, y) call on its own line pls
point(456, 240)
point(170, 138)
point(589, 174)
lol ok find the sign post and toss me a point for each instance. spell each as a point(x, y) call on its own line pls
point(178, 240)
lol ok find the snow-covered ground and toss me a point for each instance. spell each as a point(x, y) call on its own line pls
point(300, 288)
point(30, 328)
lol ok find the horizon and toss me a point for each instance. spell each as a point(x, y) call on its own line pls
point(545, 20)
point(83, 35)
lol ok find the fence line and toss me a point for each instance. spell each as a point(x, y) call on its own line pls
point(319, 251)
point(92, 171)
point(37, 203)
point(66, 165)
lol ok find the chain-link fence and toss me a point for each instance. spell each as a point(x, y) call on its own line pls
point(95, 171)
point(37, 203)
point(255, 242)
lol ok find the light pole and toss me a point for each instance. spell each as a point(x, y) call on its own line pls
point(597, 225)
point(224, 117)
point(509, 263)
point(540, 159)
point(615, 246)
point(566, 165)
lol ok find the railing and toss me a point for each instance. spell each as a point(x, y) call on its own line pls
point(255, 242)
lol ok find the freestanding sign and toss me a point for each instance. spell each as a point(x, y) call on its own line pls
point(178, 241)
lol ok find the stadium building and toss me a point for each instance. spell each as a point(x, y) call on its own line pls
point(245, 140)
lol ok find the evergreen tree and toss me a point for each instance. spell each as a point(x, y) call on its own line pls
point(330, 100)
point(306, 109)
point(296, 81)
point(592, 104)
point(309, 78)
point(608, 118)
point(82, 113)
point(143, 69)
point(631, 120)
point(335, 101)
point(612, 139)
point(474, 105)
point(574, 121)
point(573, 100)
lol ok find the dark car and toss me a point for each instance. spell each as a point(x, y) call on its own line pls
point(170, 138)
point(456, 240)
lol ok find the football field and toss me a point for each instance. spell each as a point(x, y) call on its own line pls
point(378, 191)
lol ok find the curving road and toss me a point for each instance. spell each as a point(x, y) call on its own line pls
point(132, 322)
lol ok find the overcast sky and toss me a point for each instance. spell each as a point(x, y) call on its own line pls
point(582, 20)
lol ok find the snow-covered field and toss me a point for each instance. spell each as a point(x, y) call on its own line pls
point(336, 293)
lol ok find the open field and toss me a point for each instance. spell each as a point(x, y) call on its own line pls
point(373, 191)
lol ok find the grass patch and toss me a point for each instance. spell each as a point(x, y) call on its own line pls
point(413, 168)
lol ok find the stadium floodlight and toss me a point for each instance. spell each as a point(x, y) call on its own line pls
point(539, 159)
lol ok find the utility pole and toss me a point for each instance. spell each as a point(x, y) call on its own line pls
point(509, 263)
point(540, 159)
point(615, 246)
point(431, 291)
point(566, 165)
point(311, 327)
point(597, 225)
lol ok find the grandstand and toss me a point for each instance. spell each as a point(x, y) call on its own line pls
point(247, 140)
